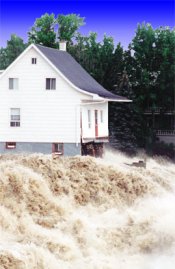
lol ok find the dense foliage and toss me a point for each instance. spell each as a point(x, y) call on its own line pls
point(47, 30)
point(13, 49)
point(144, 73)
point(43, 31)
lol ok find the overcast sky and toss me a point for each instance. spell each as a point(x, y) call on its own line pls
point(114, 18)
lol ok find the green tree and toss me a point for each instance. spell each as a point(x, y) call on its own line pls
point(94, 56)
point(154, 73)
point(106, 61)
point(3, 59)
point(13, 49)
point(154, 54)
point(68, 26)
point(116, 67)
point(123, 118)
point(43, 31)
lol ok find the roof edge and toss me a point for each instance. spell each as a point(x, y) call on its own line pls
point(119, 100)
point(94, 95)
point(53, 66)
point(16, 60)
point(62, 75)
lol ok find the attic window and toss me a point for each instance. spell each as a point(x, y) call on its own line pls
point(10, 145)
point(34, 60)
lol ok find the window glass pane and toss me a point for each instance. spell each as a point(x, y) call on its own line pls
point(55, 147)
point(47, 83)
point(58, 148)
point(15, 117)
point(15, 83)
point(101, 116)
point(96, 117)
point(89, 118)
point(12, 124)
point(17, 123)
point(11, 83)
point(33, 60)
point(10, 145)
point(50, 83)
point(15, 111)
point(53, 83)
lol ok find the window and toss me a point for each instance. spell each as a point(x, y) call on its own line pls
point(13, 83)
point(50, 83)
point(34, 60)
point(101, 116)
point(10, 145)
point(89, 118)
point(57, 148)
point(15, 117)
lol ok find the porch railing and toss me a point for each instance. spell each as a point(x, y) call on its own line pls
point(165, 132)
point(157, 110)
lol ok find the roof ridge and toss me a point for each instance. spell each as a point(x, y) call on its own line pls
point(47, 47)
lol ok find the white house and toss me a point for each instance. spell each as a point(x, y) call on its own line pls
point(49, 103)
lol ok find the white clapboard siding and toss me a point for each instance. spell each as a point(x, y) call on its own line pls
point(46, 115)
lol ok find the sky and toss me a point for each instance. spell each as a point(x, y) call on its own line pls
point(116, 18)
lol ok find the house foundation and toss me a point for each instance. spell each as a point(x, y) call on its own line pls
point(69, 149)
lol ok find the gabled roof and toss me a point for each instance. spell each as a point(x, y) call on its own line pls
point(76, 74)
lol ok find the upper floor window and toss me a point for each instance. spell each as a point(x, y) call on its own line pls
point(34, 60)
point(89, 118)
point(15, 117)
point(13, 83)
point(50, 83)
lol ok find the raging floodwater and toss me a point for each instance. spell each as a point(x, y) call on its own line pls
point(82, 213)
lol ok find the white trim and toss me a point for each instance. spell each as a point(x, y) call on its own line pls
point(16, 60)
point(121, 101)
point(94, 103)
point(103, 100)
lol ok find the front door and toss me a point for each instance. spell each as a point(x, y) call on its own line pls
point(96, 123)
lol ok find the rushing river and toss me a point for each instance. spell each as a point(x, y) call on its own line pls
point(86, 213)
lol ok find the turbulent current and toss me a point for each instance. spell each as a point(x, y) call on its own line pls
point(86, 213)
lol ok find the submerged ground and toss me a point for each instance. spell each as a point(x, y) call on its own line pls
point(86, 213)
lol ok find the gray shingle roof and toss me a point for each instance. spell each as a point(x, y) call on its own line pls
point(75, 73)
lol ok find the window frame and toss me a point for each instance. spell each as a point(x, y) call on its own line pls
point(33, 60)
point(58, 151)
point(50, 83)
point(89, 118)
point(10, 145)
point(101, 116)
point(15, 119)
point(12, 86)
